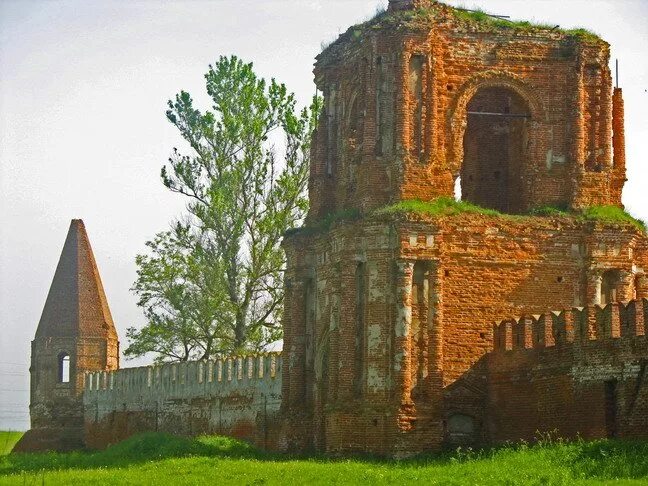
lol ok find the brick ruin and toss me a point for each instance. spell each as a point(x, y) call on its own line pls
point(389, 315)
point(390, 341)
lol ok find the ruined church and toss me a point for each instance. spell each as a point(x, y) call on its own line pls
point(411, 322)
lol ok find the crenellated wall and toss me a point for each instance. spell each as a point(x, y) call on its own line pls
point(238, 397)
point(580, 372)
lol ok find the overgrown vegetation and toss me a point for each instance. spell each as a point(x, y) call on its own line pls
point(154, 457)
point(446, 206)
point(612, 214)
point(443, 206)
point(482, 17)
point(383, 18)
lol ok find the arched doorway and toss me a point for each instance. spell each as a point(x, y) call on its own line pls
point(495, 149)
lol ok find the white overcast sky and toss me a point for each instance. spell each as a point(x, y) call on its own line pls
point(83, 86)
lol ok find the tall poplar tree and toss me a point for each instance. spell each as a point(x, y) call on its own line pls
point(213, 284)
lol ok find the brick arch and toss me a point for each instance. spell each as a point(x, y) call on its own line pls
point(457, 117)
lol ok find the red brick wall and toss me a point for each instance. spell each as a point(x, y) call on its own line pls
point(560, 386)
point(425, 362)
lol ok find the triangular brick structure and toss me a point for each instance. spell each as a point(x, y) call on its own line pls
point(76, 303)
point(75, 335)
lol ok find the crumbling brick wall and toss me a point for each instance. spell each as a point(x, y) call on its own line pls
point(402, 95)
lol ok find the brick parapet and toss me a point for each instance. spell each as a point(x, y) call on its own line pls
point(226, 374)
point(577, 327)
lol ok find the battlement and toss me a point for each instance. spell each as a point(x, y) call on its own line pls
point(576, 326)
point(223, 373)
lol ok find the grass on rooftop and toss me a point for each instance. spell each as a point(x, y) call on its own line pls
point(446, 206)
point(442, 206)
point(482, 17)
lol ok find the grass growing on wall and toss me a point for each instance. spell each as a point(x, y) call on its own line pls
point(612, 214)
point(442, 206)
point(482, 17)
point(446, 206)
point(162, 458)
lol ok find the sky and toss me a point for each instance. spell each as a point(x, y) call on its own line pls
point(83, 91)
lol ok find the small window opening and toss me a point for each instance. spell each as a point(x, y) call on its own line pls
point(64, 368)
point(457, 189)
point(560, 279)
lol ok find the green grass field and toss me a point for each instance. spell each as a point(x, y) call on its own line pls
point(7, 441)
point(163, 459)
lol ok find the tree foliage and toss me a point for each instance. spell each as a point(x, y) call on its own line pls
point(213, 284)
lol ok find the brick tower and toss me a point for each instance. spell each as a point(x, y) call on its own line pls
point(75, 335)
point(389, 310)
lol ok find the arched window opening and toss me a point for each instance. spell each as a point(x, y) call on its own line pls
point(495, 149)
point(609, 287)
point(359, 348)
point(64, 368)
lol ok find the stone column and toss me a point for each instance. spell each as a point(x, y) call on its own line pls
point(402, 330)
point(594, 282)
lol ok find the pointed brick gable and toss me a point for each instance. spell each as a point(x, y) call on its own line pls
point(76, 303)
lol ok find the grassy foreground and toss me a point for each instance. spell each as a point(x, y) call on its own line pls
point(159, 458)
point(8, 440)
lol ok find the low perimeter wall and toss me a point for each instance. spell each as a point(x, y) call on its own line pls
point(239, 397)
point(577, 373)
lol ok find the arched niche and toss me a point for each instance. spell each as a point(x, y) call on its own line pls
point(493, 124)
